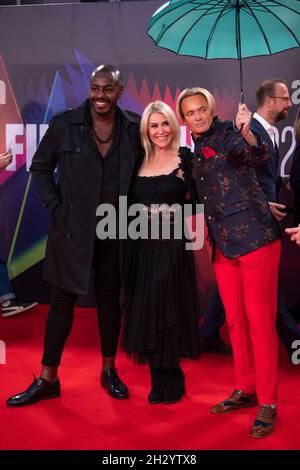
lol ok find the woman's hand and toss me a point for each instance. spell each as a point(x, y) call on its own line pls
point(5, 160)
point(295, 234)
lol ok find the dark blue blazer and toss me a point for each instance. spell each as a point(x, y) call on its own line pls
point(267, 175)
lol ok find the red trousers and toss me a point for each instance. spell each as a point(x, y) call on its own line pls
point(248, 286)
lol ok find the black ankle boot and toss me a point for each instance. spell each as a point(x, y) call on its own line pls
point(157, 386)
point(175, 388)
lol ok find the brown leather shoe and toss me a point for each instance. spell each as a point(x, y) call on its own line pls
point(265, 421)
point(238, 399)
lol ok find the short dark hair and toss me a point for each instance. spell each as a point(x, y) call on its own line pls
point(110, 70)
point(267, 88)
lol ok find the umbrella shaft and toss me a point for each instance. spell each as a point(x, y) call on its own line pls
point(238, 47)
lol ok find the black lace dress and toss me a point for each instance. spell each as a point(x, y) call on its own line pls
point(161, 297)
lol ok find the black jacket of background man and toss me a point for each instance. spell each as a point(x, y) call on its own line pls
point(267, 175)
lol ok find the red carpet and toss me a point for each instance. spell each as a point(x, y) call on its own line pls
point(85, 417)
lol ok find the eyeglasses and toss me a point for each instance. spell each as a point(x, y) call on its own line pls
point(287, 99)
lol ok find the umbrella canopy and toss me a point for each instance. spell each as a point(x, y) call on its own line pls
point(214, 29)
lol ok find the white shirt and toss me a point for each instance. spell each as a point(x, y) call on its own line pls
point(267, 126)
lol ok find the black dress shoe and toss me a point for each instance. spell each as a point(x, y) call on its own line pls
point(215, 345)
point(40, 389)
point(113, 384)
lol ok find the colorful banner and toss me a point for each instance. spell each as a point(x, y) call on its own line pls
point(47, 53)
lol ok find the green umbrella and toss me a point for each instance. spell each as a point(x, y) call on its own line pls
point(227, 29)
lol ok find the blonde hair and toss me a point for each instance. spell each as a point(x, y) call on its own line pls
point(192, 92)
point(162, 108)
point(297, 126)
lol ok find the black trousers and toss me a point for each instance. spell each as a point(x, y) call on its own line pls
point(107, 289)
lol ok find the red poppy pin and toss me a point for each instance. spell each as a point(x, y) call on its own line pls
point(208, 152)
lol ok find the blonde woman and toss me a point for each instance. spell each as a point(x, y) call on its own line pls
point(160, 282)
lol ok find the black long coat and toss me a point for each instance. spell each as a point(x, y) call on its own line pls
point(72, 201)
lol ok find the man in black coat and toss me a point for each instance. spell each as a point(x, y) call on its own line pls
point(96, 150)
point(273, 104)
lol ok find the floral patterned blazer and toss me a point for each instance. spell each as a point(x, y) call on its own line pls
point(236, 212)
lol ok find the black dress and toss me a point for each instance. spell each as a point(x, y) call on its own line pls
point(161, 297)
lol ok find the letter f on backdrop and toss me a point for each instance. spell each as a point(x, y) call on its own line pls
point(2, 92)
